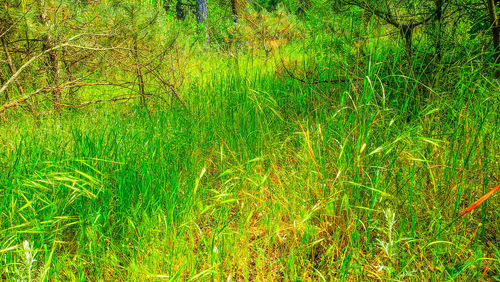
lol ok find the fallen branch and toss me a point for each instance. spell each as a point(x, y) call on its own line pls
point(16, 102)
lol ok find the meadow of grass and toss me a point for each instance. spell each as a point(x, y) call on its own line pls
point(263, 177)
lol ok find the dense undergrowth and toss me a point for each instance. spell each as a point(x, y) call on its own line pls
point(299, 160)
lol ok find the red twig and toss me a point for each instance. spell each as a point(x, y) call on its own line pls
point(482, 199)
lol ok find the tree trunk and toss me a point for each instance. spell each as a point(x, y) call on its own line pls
point(137, 62)
point(51, 60)
point(273, 4)
point(406, 32)
point(201, 11)
point(13, 70)
point(69, 73)
point(439, 19)
point(495, 29)
point(201, 16)
point(53, 71)
point(2, 81)
point(179, 10)
point(234, 9)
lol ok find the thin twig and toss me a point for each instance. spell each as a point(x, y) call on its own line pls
point(314, 81)
point(100, 101)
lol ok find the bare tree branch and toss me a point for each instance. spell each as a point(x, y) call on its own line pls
point(41, 54)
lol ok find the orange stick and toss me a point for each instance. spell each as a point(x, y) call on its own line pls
point(486, 269)
point(482, 199)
